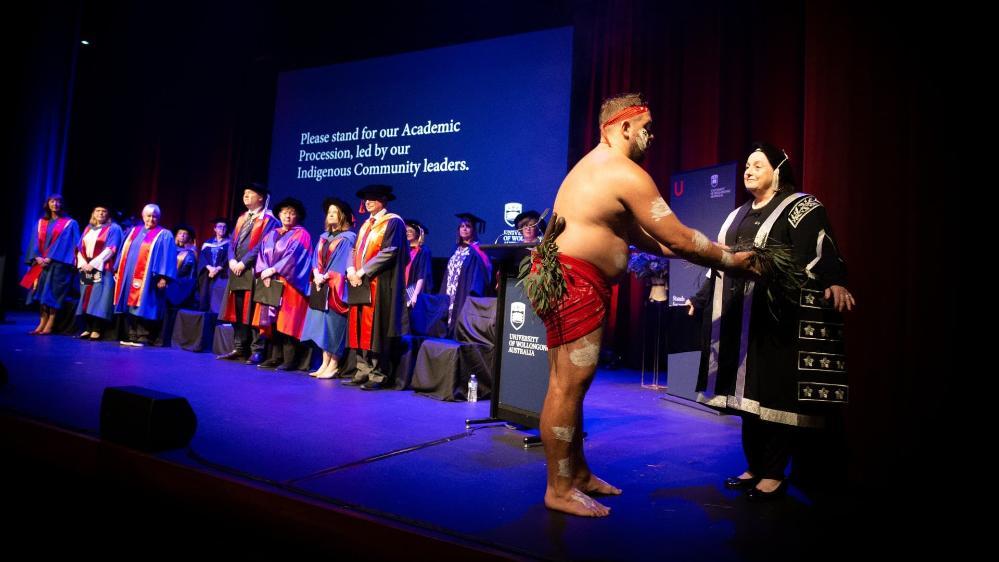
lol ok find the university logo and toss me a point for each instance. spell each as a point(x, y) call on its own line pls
point(518, 311)
point(510, 212)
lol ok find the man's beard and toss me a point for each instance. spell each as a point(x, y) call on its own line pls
point(639, 147)
point(638, 150)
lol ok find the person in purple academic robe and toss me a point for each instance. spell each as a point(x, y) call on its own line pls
point(285, 257)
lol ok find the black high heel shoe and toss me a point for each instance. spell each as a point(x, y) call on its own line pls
point(755, 494)
point(736, 483)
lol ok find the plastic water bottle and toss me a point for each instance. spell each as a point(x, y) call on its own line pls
point(473, 389)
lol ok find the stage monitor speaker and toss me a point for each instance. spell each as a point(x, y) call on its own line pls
point(146, 419)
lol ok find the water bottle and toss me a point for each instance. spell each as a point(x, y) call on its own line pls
point(473, 389)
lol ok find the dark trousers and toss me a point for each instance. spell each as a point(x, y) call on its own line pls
point(141, 330)
point(286, 348)
point(94, 323)
point(369, 366)
point(767, 446)
point(246, 339)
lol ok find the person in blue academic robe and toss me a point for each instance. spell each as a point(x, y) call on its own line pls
point(95, 258)
point(51, 260)
point(326, 320)
point(147, 262)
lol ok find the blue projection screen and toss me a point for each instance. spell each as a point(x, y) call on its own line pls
point(480, 127)
point(702, 199)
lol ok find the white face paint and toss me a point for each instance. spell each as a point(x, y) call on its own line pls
point(701, 242)
point(660, 209)
point(643, 139)
point(587, 354)
point(564, 433)
point(565, 468)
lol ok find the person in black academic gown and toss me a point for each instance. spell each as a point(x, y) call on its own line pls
point(468, 270)
point(777, 360)
point(377, 265)
point(180, 293)
point(213, 267)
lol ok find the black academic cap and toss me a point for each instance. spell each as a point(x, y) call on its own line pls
point(777, 157)
point(294, 204)
point(419, 226)
point(340, 204)
point(477, 223)
point(376, 192)
point(217, 220)
point(259, 188)
point(186, 227)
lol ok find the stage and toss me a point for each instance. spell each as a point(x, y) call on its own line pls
point(282, 462)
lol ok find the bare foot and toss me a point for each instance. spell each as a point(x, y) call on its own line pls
point(575, 502)
point(599, 486)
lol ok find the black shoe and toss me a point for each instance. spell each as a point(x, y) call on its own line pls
point(758, 495)
point(254, 359)
point(233, 355)
point(357, 382)
point(287, 367)
point(373, 385)
point(736, 483)
point(269, 364)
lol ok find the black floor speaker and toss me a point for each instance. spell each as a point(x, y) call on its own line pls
point(146, 419)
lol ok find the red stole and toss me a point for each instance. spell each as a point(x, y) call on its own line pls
point(99, 244)
point(336, 281)
point(256, 233)
point(138, 280)
point(35, 271)
point(363, 316)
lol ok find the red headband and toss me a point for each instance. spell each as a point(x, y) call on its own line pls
point(626, 113)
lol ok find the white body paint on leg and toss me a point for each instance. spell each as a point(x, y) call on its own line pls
point(564, 433)
point(565, 468)
point(587, 355)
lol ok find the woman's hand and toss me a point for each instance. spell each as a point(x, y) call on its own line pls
point(842, 299)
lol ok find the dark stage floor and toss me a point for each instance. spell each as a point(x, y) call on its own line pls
point(327, 442)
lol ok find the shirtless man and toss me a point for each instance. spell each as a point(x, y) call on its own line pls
point(608, 202)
